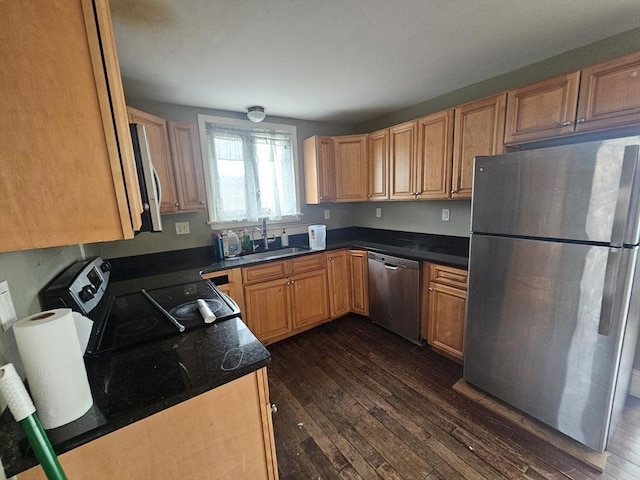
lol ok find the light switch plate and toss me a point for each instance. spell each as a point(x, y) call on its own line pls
point(378, 212)
point(182, 228)
point(445, 214)
point(327, 214)
point(7, 312)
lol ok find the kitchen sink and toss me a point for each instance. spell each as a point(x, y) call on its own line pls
point(273, 254)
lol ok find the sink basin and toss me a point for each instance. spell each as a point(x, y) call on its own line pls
point(273, 254)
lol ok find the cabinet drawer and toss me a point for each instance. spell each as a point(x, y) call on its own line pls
point(264, 272)
point(452, 276)
point(307, 263)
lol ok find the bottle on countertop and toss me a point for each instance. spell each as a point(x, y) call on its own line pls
point(218, 249)
point(233, 244)
point(247, 246)
point(284, 239)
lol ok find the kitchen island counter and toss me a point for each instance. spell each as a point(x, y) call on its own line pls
point(132, 384)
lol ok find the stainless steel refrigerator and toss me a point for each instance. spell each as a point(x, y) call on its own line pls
point(553, 304)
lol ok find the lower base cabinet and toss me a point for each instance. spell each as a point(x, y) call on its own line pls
point(221, 434)
point(359, 282)
point(444, 309)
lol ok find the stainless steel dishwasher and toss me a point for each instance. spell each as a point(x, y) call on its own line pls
point(394, 294)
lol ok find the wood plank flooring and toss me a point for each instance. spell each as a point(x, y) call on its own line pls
point(358, 402)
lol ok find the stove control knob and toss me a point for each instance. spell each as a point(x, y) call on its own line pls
point(105, 267)
point(87, 293)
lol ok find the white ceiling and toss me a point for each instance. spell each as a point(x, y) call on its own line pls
point(342, 61)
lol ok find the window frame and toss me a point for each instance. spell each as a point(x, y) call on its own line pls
point(203, 119)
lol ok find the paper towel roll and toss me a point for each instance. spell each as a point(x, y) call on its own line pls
point(207, 315)
point(52, 358)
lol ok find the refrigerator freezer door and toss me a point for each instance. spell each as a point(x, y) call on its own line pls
point(532, 338)
point(581, 192)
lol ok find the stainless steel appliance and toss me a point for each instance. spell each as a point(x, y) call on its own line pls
point(554, 305)
point(138, 310)
point(394, 294)
point(150, 187)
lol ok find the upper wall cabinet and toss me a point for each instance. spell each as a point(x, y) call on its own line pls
point(175, 154)
point(435, 155)
point(68, 172)
point(597, 98)
point(319, 176)
point(350, 153)
point(378, 151)
point(610, 94)
point(542, 110)
point(479, 130)
point(403, 161)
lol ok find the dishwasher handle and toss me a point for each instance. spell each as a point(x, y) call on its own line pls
point(391, 266)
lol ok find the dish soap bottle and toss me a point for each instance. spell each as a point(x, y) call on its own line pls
point(234, 243)
point(284, 239)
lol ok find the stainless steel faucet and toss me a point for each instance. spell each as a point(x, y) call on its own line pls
point(263, 232)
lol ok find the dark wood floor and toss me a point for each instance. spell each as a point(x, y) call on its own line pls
point(357, 402)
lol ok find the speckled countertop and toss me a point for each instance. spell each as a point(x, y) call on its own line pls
point(132, 384)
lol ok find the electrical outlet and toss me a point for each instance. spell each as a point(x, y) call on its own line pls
point(445, 214)
point(182, 228)
point(327, 214)
point(378, 212)
point(7, 312)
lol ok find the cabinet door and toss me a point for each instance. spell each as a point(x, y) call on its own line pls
point(158, 138)
point(310, 298)
point(63, 128)
point(447, 309)
point(359, 282)
point(402, 161)
point(319, 176)
point(610, 94)
point(187, 163)
point(543, 110)
point(351, 168)
point(378, 150)
point(435, 154)
point(478, 130)
point(338, 279)
point(224, 433)
point(268, 312)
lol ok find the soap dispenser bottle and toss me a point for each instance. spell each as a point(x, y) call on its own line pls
point(284, 239)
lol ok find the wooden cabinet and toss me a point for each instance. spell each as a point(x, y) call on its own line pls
point(350, 153)
point(597, 98)
point(403, 158)
point(444, 309)
point(319, 175)
point(478, 130)
point(175, 154)
point(338, 281)
point(224, 433)
point(435, 156)
point(610, 94)
point(285, 297)
point(542, 110)
point(68, 172)
point(187, 166)
point(378, 151)
point(358, 282)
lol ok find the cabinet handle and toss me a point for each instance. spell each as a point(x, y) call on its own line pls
point(431, 289)
point(201, 202)
point(369, 196)
point(177, 204)
point(567, 123)
point(331, 259)
point(581, 120)
point(274, 408)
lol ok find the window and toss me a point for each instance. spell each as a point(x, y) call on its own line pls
point(250, 170)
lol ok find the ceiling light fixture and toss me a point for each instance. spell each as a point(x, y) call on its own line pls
point(256, 114)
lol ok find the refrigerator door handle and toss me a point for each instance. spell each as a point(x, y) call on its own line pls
point(625, 228)
point(616, 280)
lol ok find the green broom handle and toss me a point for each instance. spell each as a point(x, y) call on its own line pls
point(42, 447)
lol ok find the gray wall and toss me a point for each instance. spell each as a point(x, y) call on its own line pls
point(201, 234)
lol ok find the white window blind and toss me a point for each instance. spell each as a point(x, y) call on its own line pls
point(251, 170)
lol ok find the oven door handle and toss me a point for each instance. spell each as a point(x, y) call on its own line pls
point(178, 325)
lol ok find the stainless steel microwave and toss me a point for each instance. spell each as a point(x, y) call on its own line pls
point(150, 187)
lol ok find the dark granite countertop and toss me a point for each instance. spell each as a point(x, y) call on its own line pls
point(134, 383)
